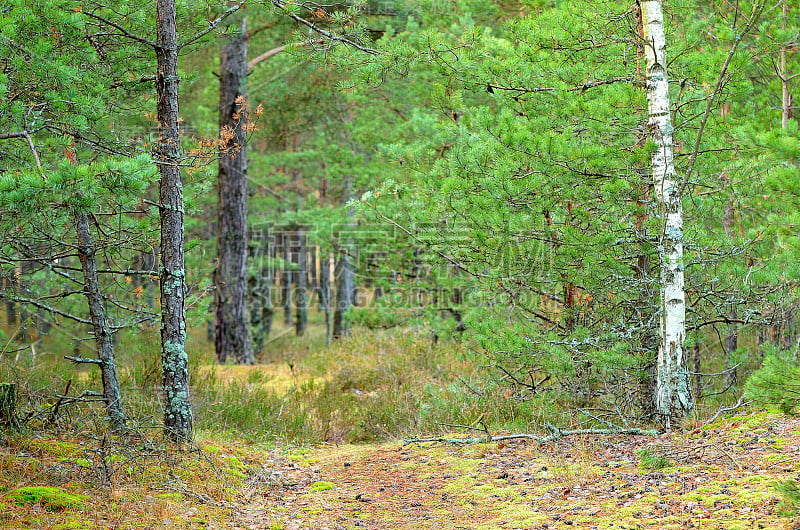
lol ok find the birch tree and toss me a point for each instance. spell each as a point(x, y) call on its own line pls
point(673, 392)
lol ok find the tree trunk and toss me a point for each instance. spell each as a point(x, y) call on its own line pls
point(11, 306)
point(102, 331)
point(232, 336)
point(325, 295)
point(286, 280)
point(301, 324)
point(174, 359)
point(22, 269)
point(345, 289)
point(344, 274)
point(731, 341)
point(313, 272)
point(8, 405)
point(673, 393)
point(261, 297)
point(729, 346)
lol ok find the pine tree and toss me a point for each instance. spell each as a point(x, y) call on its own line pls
point(232, 327)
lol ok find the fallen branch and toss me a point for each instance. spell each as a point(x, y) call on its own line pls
point(54, 414)
point(723, 410)
point(555, 434)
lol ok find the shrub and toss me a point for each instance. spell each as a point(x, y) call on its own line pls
point(777, 382)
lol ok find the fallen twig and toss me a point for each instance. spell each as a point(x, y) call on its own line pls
point(54, 414)
point(723, 410)
point(555, 434)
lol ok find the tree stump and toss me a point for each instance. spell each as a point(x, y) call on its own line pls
point(8, 407)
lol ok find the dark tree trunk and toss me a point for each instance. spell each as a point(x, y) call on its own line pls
point(312, 272)
point(729, 346)
point(8, 405)
point(174, 359)
point(301, 325)
point(232, 337)
point(731, 341)
point(325, 295)
point(210, 323)
point(11, 307)
point(11, 312)
point(286, 280)
point(345, 276)
point(261, 297)
point(22, 334)
point(102, 331)
point(345, 287)
point(697, 366)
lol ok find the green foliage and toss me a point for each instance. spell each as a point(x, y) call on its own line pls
point(777, 382)
point(652, 461)
point(789, 490)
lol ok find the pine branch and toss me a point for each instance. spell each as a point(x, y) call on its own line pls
point(255, 61)
point(27, 135)
point(212, 25)
point(122, 31)
point(327, 34)
point(55, 311)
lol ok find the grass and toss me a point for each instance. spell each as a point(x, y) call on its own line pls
point(371, 386)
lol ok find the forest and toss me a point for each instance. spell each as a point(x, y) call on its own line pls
point(291, 264)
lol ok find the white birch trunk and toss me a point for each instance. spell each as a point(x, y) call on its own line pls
point(673, 393)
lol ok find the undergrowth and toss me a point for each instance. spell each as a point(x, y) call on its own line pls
point(368, 387)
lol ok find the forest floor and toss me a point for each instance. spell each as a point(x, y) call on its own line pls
point(718, 476)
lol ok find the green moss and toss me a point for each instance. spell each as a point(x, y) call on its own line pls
point(321, 486)
point(212, 449)
point(170, 496)
point(82, 462)
point(51, 499)
point(235, 467)
point(54, 447)
point(74, 524)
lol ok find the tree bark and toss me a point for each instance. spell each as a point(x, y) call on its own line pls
point(673, 393)
point(232, 333)
point(301, 323)
point(11, 306)
point(731, 341)
point(8, 405)
point(102, 331)
point(313, 273)
point(345, 277)
point(261, 296)
point(22, 269)
point(286, 279)
point(174, 359)
point(325, 295)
